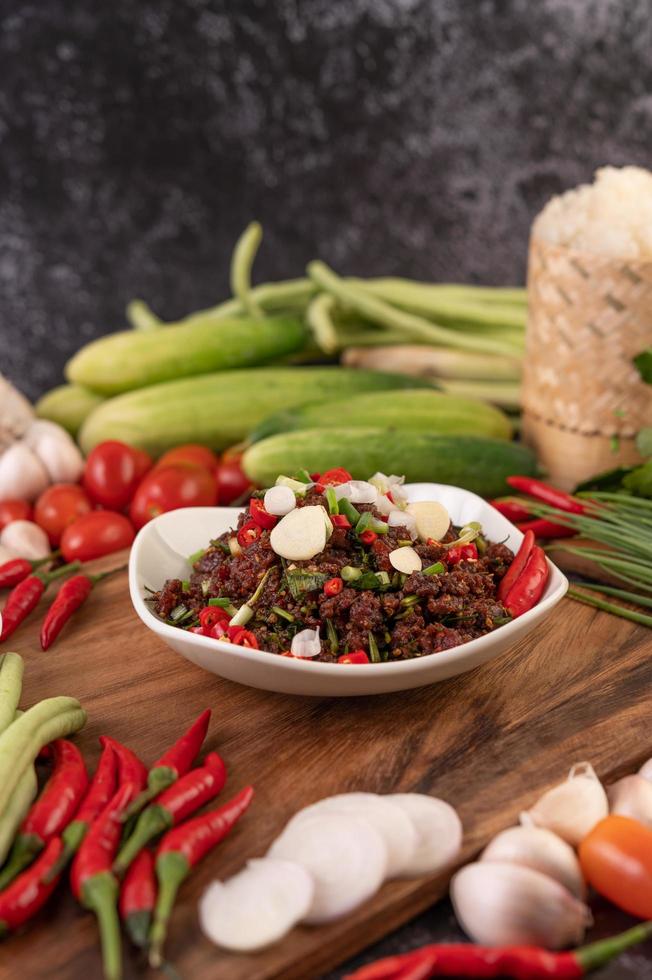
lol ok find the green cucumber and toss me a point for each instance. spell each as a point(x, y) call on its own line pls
point(409, 411)
point(472, 462)
point(136, 358)
point(68, 406)
point(218, 410)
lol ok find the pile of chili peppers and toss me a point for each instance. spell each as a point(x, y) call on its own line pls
point(91, 824)
point(517, 510)
point(28, 580)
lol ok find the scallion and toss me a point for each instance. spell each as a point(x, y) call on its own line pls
point(283, 613)
point(374, 652)
point(350, 574)
point(435, 569)
point(331, 500)
point(196, 555)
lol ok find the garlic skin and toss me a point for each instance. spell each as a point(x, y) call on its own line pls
point(499, 904)
point(25, 539)
point(646, 770)
point(632, 797)
point(541, 850)
point(306, 644)
point(573, 808)
point(22, 474)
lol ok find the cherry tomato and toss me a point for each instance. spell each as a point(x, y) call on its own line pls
point(260, 516)
point(616, 859)
point(170, 487)
point(98, 533)
point(14, 510)
point(232, 482)
point(190, 455)
point(58, 507)
point(334, 477)
point(113, 471)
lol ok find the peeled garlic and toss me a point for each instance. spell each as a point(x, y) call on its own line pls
point(646, 770)
point(279, 501)
point(22, 474)
point(301, 534)
point(572, 809)
point(16, 414)
point(405, 560)
point(432, 519)
point(541, 850)
point(25, 539)
point(56, 450)
point(499, 904)
point(306, 644)
point(632, 797)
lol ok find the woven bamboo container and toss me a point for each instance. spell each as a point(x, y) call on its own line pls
point(583, 399)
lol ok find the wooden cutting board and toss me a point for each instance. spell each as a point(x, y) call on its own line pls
point(489, 742)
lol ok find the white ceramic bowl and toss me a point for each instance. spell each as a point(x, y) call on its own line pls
point(159, 552)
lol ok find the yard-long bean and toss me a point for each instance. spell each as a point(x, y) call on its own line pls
point(11, 683)
point(244, 254)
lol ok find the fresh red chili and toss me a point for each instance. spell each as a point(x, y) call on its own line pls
point(529, 586)
point(29, 891)
point(340, 520)
point(542, 528)
point(242, 637)
point(174, 763)
point(16, 569)
point(334, 477)
point(188, 794)
point(354, 657)
point(368, 537)
point(93, 883)
point(517, 565)
point(333, 586)
point(260, 516)
point(24, 597)
point(131, 770)
point(462, 552)
point(53, 810)
point(517, 962)
point(102, 787)
point(180, 850)
point(138, 898)
point(248, 533)
point(546, 494)
point(512, 508)
point(70, 597)
point(209, 616)
point(219, 630)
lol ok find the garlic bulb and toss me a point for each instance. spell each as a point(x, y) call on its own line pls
point(25, 539)
point(646, 770)
point(306, 644)
point(16, 414)
point(501, 904)
point(56, 451)
point(572, 809)
point(632, 797)
point(541, 850)
point(22, 474)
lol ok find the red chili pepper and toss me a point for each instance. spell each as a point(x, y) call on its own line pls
point(219, 630)
point(138, 898)
point(70, 597)
point(529, 586)
point(513, 508)
point(542, 528)
point(180, 850)
point(334, 477)
point(248, 533)
point(16, 569)
point(130, 769)
point(188, 794)
point(546, 494)
point(25, 596)
point(53, 810)
point(242, 637)
point(102, 787)
point(210, 615)
point(354, 657)
point(368, 537)
point(93, 883)
point(517, 565)
point(462, 552)
point(260, 516)
point(174, 763)
point(517, 962)
point(340, 520)
point(29, 891)
point(315, 477)
point(333, 586)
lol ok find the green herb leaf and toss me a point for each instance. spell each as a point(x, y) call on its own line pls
point(609, 480)
point(644, 442)
point(643, 364)
point(639, 481)
point(374, 653)
point(300, 581)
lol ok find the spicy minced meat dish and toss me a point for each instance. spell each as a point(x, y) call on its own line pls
point(375, 591)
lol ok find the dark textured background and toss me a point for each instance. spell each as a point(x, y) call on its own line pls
point(413, 137)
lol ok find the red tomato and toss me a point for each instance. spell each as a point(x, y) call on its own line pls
point(170, 487)
point(58, 507)
point(616, 859)
point(95, 534)
point(232, 482)
point(113, 471)
point(189, 455)
point(14, 510)
point(334, 477)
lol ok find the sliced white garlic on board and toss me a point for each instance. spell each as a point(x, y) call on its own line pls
point(439, 832)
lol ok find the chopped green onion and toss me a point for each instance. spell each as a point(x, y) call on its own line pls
point(242, 616)
point(178, 612)
point(368, 522)
point(435, 569)
point(374, 653)
point(185, 584)
point(349, 511)
point(331, 500)
point(350, 574)
point(383, 578)
point(331, 633)
point(283, 613)
point(196, 555)
point(205, 586)
point(405, 542)
point(303, 476)
point(259, 588)
point(409, 600)
point(296, 485)
point(222, 603)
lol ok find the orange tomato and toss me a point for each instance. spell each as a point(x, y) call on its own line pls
point(616, 859)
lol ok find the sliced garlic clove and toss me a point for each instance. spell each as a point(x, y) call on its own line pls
point(541, 850)
point(499, 904)
point(405, 560)
point(572, 809)
point(431, 517)
point(300, 535)
point(279, 501)
point(632, 797)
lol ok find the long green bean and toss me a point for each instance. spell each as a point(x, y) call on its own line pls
point(141, 317)
point(455, 309)
point(320, 321)
point(244, 254)
point(288, 295)
point(11, 684)
point(16, 809)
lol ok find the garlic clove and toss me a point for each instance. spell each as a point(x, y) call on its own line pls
point(572, 809)
point(646, 770)
point(405, 560)
point(40, 428)
point(632, 797)
point(6, 555)
point(22, 474)
point(300, 535)
point(16, 414)
point(25, 539)
point(500, 904)
point(541, 850)
point(432, 519)
point(60, 456)
point(279, 501)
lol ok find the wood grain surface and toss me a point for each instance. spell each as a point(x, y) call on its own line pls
point(488, 741)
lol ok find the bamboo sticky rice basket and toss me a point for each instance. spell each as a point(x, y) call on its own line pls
point(583, 398)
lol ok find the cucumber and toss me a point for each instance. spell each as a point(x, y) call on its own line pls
point(68, 406)
point(407, 411)
point(221, 409)
point(136, 358)
point(471, 462)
